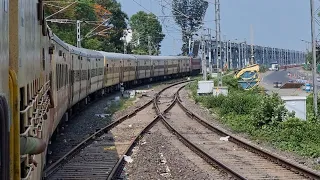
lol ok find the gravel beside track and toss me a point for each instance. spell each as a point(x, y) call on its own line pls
point(96, 160)
point(79, 128)
point(212, 119)
point(161, 155)
point(245, 163)
point(85, 123)
point(167, 97)
point(125, 132)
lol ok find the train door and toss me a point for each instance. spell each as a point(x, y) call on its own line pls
point(137, 69)
point(71, 80)
point(4, 143)
point(121, 65)
point(166, 67)
point(179, 66)
point(151, 68)
point(113, 70)
point(80, 75)
point(90, 69)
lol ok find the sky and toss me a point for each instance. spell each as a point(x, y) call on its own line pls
point(275, 23)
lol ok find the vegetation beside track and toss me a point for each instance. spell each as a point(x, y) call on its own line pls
point(120, 105)
point(263, 118)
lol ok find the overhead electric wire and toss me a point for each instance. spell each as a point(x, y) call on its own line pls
point(155, 15)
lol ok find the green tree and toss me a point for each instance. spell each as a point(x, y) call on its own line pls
point(189, 16)
point(144, 25)
point(309, 57)
point(113, 42)
point(83, 10)
point(91, 10)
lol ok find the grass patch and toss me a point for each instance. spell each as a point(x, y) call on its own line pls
point(120, 105)
point(263, 118)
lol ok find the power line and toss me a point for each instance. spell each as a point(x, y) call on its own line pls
point(161, 21)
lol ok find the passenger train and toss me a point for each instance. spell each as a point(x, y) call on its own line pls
point(43, 80)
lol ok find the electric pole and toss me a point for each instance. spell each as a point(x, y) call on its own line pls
point(149, 45)
point(189, 46)
point(78, 34)
point(252, 56)
point(245, 51)
point(78, 26)
point(204, 64)
point(231, 57)
point(239, 56)
point(218, 40)
point(210, 55)
point(226, 53)
point(125, 47)
point(314, 70)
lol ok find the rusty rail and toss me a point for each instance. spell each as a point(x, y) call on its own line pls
point(255, 149)
point(209, 159)
point(74, 151)
point(117, 169)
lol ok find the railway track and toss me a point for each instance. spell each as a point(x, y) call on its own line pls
point(229, 154)
point(96, 156)
point(235, 158)
point(78, 128)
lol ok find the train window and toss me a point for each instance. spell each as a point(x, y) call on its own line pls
point(67, 75)
point(60, 53)
point(61, 75)
point(64, 75)
point(79, 57)
point(57, 76)
point(43, 59)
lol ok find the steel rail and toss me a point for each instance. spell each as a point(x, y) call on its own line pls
point(253, 148)
point(209, 159)
point(117, 169)
point(74, 151)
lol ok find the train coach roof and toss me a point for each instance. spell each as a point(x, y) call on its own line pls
point(183, 57)
point(93, 54)
point(196, 58)
point(60, 42)
point(116, 56)
point(163, 57)
point(142, 57)
point(76, 50)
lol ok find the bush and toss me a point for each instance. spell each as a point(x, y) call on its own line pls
point(240, 103)
point(270, 111)
point(264, 117)
point(299, 136)
point(263, 68)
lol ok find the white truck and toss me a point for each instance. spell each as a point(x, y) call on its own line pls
point(274, 67)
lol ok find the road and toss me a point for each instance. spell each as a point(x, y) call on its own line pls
point(281, 76)
point(307, 75)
